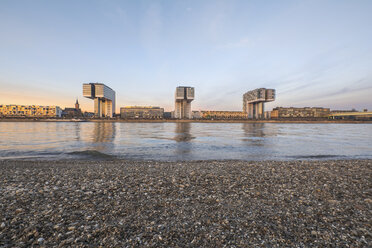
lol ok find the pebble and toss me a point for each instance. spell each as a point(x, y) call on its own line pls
point(198, 204)
point(71, 228)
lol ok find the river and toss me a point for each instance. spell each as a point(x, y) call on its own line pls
point(184, 141)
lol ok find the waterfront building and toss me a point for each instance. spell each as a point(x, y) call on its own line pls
point(104, 98)
point(184, 95)
point(345, 111)
point(253, 102)
point(351, 115)
point(307, 112)
point(167, 115)
point(88, 114)
point(223, 115)
point(73, 112)
point(141, 112)
point(30, 111)
point(196, 114)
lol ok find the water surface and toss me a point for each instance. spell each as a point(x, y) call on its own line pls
point(184, 141)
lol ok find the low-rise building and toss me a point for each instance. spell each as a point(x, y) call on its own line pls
point(223, 115)
point(141, 112)
point(267, 114)
point(351, 115)
point(196, 114)
point(88, 114)
point(30, 111)
point(344, 111)
point(307, 112)
point(73, 112)
point(167, 115)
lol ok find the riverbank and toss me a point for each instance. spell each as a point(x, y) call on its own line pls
point(176, 204)
point(188, 121)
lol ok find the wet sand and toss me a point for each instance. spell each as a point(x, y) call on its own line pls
point(186, 204)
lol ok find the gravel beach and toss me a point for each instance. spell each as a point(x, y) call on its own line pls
point(186, 204)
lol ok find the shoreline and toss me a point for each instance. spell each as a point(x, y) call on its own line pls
point(197, 203)
point(105, 158)
point(192, 121)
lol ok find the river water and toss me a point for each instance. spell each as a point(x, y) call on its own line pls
point(184, 141)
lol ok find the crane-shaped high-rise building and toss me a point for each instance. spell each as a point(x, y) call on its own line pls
point(253, 102)
point(183, 97)
point(104, 99)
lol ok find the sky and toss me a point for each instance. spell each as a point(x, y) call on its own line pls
point(314, 53)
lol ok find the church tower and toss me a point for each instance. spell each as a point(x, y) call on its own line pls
point(77, 107)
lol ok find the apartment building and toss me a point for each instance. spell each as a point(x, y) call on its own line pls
point(30, 111)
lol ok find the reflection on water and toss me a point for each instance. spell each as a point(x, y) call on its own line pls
point(254, 129)
point(184, 141)
point(77, 131)
point(103, 132)
point(103, 136)
point(182, 132)
point(98, 136)
point(255, 133)
point(182, 137)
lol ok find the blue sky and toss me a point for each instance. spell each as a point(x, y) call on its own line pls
point(314, 53)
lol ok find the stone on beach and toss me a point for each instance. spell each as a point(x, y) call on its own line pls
point(199, 204)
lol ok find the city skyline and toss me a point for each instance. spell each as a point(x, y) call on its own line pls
point(314, 53)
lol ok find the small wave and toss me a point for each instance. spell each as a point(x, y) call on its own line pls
point(318, 156)
point(94, 154)
point(19, 157)
point(28, 155)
